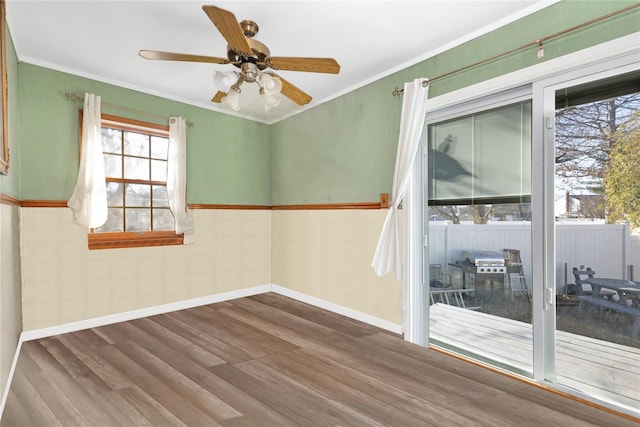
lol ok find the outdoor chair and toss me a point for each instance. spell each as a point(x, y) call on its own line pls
point(438, 279)
point(584, 288)
point(518, 284)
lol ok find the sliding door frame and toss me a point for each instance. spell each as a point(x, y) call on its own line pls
point(544, 97)
point(600, 61)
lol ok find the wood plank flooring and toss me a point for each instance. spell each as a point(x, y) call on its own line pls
point(267, 360)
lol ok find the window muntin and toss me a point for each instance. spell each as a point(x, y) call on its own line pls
point(135, 158)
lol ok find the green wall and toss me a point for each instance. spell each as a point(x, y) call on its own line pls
point(228, 158)
point(340, 151)
point(10, 183)
point(344, 150)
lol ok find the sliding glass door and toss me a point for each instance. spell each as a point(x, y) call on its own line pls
point(478, 186)
point(597, 235)
point(532, 222)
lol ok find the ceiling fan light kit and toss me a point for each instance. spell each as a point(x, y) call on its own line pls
point(252, 58)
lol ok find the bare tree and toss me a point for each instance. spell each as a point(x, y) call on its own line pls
point(481, 214)
point(585, 137)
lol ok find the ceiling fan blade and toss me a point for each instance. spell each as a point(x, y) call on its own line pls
point(314, 65)
point(294, 93)
point(218, 96)
point(170, 56)
point(228, 26)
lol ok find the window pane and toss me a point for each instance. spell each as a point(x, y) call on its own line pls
point(138, 219)
point(112, 140)
point(163, 220)
point(159, 147)
point(113, 166)
point(136, 144)
point(135, 168)
point(137, 195)
point(114, 194)
point(114, 221)
point(158, 170)
point(160, 196)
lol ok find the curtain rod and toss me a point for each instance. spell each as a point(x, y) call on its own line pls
point(75, 97)
point(397, 91)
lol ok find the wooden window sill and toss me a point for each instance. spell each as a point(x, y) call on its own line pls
point(134, 239)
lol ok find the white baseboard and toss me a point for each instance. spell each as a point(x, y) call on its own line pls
point(209, 299)
point(190, 303)
point(10, 377)
point(339, 309)
point(143, 312)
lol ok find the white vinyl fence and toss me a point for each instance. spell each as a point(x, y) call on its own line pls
point(610, 250)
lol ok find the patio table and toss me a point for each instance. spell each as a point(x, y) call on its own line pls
point(622, 287)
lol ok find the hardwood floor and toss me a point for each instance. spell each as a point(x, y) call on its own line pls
point(267, 361)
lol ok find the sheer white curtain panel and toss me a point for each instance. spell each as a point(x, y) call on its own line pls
point(387, 257)
point(89, 199)
point(177, 178)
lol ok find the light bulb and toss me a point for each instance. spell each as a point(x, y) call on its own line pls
point(271, 85)
point(224, 81)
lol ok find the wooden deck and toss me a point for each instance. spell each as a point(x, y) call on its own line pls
point(600, 368)
point(264, 361)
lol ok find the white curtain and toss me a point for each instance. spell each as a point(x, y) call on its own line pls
point(177, 178)
point(414, 104)
point(89, 199)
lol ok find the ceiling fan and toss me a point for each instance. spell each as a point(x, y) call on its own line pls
point(253, 60)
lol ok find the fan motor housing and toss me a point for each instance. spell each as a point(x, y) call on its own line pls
point(259, 56)
point(260, 52)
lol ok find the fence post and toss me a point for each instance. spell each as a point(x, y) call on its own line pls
point(626, 245)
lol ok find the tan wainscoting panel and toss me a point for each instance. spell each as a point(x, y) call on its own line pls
point(327, 254)
point(65, 282)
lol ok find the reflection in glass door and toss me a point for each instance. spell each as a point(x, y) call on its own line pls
point(597, 235)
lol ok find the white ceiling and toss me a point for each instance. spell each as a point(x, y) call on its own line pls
point(369, 39)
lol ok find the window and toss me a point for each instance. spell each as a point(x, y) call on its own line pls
point(135, 159)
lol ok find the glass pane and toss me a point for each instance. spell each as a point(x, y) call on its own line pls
point(138, 219)
point(112, 140)
point(480, 258)
point(597, 247)
point(136, 144)
point(158, 170)
point(159, 147)
point(135, 168)
point(480, 279)
point(163, 220)
point(160, 196)
point(114, 221)
point(113, 166)
point(137, 195)
point(114, 194)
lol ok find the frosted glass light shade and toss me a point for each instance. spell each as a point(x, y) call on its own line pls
point(269, 100)
point(271, 85)
point(232, 99)
point(224, 81)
